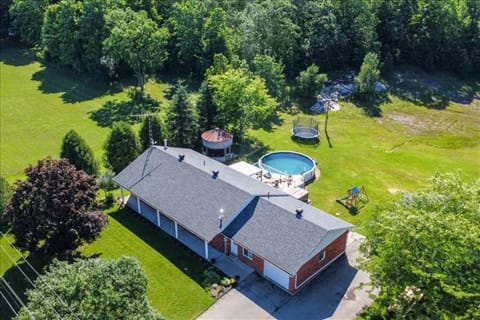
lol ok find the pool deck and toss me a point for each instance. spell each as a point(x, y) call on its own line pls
point(293, 185)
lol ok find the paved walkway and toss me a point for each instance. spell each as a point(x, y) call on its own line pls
point(334, 294)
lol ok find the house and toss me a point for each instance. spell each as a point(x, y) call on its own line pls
point(216, 210)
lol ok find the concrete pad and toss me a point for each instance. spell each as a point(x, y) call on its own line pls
point(334, 294)
point(232, 266)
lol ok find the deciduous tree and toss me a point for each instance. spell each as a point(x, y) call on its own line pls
point(273, 74)
point(269, 27)
point(91, 33)
point(323, 38)
point(122, 147)
point(51, 211)
point(90, 289)
point(216, 37)
point(78, 153)
point(242, 101)
point(424, 251)
point(358, 23)
point(187, 29)
point(27, 19)
point(135, 39)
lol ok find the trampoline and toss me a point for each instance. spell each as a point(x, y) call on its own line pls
point(305, 128)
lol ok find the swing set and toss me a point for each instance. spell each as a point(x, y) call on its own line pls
point(356, 199)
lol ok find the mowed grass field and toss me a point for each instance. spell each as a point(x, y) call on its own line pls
point(174, 274)
point(38, 105)
point(388, 155)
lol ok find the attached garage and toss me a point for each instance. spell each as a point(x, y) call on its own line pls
point(234, 249)
point(276, 274)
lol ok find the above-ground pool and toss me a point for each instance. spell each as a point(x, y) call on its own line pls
point(288, 163)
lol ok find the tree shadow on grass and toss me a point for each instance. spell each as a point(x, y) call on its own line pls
point(73, 88)
point(250, 149)
point(177, 253)
point(270, 123)
point(371, 106)
point(16, 277)
point(14, 54)
point(433, 91)
point(308, 143)
point(128, 111)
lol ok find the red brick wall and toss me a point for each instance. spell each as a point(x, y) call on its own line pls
point(256, 263)
point(291, 285)
point(218, 243)
point(314, 264)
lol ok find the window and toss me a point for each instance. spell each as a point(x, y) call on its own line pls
point(323, 255)
point(247, 254)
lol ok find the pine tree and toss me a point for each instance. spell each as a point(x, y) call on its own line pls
point(122, 147)
point(183, 119)
point(76, 150)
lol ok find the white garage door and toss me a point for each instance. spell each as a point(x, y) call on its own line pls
point(276, 274)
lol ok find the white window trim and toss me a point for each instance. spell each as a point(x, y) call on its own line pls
point(323, 255)
point(248, 255)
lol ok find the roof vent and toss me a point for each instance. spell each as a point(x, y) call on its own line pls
point(215, 174)
point(299, 213)
point(181, 157)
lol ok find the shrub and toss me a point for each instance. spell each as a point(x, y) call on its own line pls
point(310, 81)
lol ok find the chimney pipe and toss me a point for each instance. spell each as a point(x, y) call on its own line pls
point(165, 144)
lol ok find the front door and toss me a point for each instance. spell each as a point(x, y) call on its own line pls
point(234, 248)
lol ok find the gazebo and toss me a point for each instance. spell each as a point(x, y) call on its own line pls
point(217, 144)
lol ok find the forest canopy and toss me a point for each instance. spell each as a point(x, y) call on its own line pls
point(334, 35)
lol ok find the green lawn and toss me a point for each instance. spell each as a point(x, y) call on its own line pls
point(174, 273)
point(389, 155)
point(38, 106)
point(395, 153)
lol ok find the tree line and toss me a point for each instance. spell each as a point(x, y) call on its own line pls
point(102, 38)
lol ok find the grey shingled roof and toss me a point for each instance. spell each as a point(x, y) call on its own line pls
point(275, 234)
point(181, 191)
point(186, 192)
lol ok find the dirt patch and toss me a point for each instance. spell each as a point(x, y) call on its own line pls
point(416, 125)
point(395, 190)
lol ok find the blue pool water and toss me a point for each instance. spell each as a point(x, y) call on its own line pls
point(287, 163)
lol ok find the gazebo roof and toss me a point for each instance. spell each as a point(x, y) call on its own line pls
point(216, 135)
